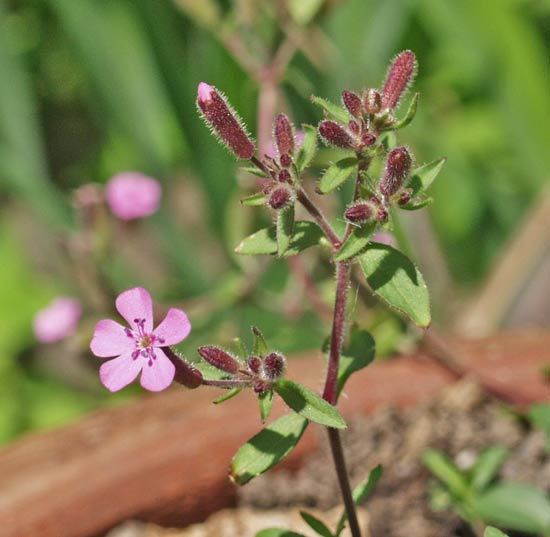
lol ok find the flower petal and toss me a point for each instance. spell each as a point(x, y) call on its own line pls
point(136, 303)
point(159, 375)
point(110, 339)
point(174, 328)
point(119, 372)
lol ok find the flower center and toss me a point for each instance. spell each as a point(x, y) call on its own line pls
point(144, 342)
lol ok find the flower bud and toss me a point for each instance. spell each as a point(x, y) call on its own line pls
point(405, 197)
point(186, 374)
point(260, 387)
point(368, 139)
point(254, 364)
point(400, 75)
point(285, 160)
point(283, 176)
point(398, 166)
point(280, 197)
point(354, 127)
point(353, 103)
point(219, 358)
point(334, 134)
point(382, 214)
point(284, 135)
point(360, 212)
point(372, 101)
point(274, 365)
point(224, 121)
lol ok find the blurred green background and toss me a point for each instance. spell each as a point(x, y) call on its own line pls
point(89, 88)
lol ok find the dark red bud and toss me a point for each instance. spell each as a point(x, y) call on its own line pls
point(398, 166)
point(274, 365)
point(354, 127)
point(283, 134)
point(219, 358)
point(186, 374)
point(224, 121)
point(334, 134)
point(280, 197)
point(405, 197)
point(260, 387)
point(284, 176)
point(400, 75)
point(382, 214)
point(353, 103)
point(254, 364)
point(372, 101)
point(286, 161)
point(359, 212)
point(368, 139)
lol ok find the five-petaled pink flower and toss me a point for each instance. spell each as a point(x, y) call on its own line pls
point(132, 195)
point(138, 348)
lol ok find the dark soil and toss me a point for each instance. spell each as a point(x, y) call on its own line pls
point(461, 422)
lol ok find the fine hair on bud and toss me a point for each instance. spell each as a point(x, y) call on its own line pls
point(352, 102)
point(360, 212)
point(284, 135)
point(280, 197)
point(186, 374)
point(219, 358)
point(274, 365)
point(224, 121)
point(254, 364)
point(372, 101)
point(334, 134)
point(400, 76)
point(398, 166)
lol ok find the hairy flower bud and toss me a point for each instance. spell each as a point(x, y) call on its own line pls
point(260, 387)
point(254, 364)
point(186, 374)
point(368, 139)
point(274, 365)
point(360, 212)
point(398, 166)
point(284, 135)
point(400, 75)
point(283, 176)
point(405, 197)
point(372, 101)
point(219, 358)
point(334, 134)
point(285, 160)
point(354, 127)
point(353, 103)
point(280, 197)
point(224, 121)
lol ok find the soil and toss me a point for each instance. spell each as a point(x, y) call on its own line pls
point(460, 422)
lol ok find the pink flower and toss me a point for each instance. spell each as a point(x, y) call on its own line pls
point(138, 348)
point(58, 320)
point(385, 237)
point(132, 195)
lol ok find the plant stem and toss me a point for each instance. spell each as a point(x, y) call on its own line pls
point(227, 384)
point(319, 217)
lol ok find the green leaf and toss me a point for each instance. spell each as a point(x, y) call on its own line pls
point(515, 506)
point(395, 279)
point(264, 241)
point(259, 347)
point(265, 401)
point(308, 404)
point(285, 227)
point(336, 174)
point(361, 494)
point(255, 200)
point(444, 469)
point(228, 395)
point(422, 178)
point(539, 414)
point(308, 148)
point(333, 111)
point(356, 243)
point(411, 112)
point(278, 532)
point(493, 532)
point(254, 170)
point(303, 11)
point(356, 356)
point(265, 449)
point(486, 467)
point(415, 205)
point(240, 348)
point(315, 524)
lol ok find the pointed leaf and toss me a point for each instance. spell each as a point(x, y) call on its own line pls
point(259, 347)
point(240, 348)
point(265, 401)
point(333, 111)
point(493, 532)
point(394, 278)
point(254, 200)
point(411, 112)
point(416, 204)
point(315, 524)
point(308, 404)
point(486, 467)
point(308, 148)
point(359, 353)
point(356, 243)
point(264, 241)
point(265, 449)
point(278, 532)
point(228, 395)
point(446, 471)
point(285, 227)
point(254, 170)
point(337, 174)
point(422, 178)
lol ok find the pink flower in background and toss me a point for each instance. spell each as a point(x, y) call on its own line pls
point(385, 237)
point(138, 348)
point(132, 195)
point(58, 320)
